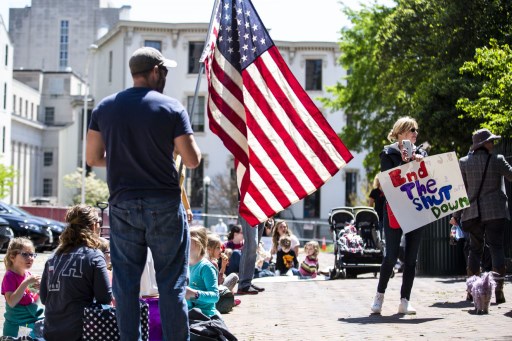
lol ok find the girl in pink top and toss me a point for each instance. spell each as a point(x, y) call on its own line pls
point(20, 288)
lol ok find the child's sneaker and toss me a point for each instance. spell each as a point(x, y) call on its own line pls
point(377, 303)
point(405, 307)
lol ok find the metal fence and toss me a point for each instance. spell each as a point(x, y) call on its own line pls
point(304, 230)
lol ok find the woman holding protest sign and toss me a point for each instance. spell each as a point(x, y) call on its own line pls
point(401, 150)
point(485, 219)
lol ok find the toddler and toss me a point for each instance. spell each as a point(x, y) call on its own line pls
point(286, 259)
point(20, 288)
point(309, 266)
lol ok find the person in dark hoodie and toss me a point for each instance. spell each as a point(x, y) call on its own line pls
point(393, 155)
point(75, 276)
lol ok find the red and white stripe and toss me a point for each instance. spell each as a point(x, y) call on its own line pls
point(284, 148)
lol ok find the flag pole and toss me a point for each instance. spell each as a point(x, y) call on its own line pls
point(198, 82)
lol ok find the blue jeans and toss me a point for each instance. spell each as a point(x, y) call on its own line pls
point(234, 262)
point(252, 235)
point(161, 225)
point(412, 246)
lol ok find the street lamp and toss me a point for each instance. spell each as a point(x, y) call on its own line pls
point(90, 50)
point(206, 182)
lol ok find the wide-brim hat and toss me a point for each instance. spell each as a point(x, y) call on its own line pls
point(481, 136)
point(146, 58)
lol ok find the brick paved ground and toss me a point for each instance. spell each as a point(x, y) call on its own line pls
point(339, 309)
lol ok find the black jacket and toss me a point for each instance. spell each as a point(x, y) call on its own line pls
point(390, 157)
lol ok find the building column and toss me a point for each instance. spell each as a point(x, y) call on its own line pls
point(26, 178)
point(15, 163)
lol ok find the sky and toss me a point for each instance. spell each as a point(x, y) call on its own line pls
point(293, 20)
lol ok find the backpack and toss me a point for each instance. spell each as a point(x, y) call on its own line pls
point(226, 300)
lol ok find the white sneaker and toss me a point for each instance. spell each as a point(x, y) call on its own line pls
point(377, 303)
point(405, 307)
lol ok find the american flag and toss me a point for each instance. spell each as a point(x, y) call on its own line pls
point(284, 148)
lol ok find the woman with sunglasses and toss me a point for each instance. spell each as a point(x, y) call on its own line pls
point(75, 276)
point(393, 155)
point(19, 287)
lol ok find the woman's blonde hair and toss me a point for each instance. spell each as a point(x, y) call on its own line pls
point(314, 245)
point(199, 236)
point(80, 230)
point(402, 125)
point(376, 182)
point(16, 247)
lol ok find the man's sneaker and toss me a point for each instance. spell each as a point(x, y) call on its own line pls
point(247, 291)
point(405, 307)
point(259, 289)
point(377, 303)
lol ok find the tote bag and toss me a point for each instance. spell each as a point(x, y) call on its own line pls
point(100, 323)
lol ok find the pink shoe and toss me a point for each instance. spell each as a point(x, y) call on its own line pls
point(237, 302)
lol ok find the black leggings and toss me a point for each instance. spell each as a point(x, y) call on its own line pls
point(412, 245)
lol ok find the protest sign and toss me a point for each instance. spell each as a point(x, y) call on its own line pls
point(422, 192)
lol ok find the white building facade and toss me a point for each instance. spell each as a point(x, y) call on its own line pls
point(6, 90)
point(50, 42)
point(313, 63)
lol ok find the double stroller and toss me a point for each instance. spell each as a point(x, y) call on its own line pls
point(357, 248)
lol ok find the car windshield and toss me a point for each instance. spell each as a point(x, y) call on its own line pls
point(4, 208)
point(20, 211)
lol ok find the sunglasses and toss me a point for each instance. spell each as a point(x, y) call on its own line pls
point(415, 130)
point(28, 255)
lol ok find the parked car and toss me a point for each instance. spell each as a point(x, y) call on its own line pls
point(6, 234)
point(35, 229)
point(55, 226)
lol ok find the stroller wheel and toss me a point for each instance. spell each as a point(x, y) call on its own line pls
point(392, 274)
point(342, 274)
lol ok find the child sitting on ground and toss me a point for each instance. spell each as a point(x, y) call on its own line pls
point(215, 254)
point(226, 283)
point(235, 238)
point(286, 259)
point(203, 291)
point(309, 266)
point(18, 286)
point(263, 259)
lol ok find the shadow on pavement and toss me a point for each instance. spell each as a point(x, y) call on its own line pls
point(452, 280)
point(453, 305)
point(396, 318)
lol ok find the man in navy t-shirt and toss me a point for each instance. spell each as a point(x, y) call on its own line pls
point(134, 134)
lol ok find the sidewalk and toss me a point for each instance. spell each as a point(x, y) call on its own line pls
point(340, 310)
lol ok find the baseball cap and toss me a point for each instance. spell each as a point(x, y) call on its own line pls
point(145, 58)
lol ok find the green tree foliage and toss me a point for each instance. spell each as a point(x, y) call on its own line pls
point(358, 93)
point(492, 65)
point(405, 61)
point(7, 175)
point(95, 189)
